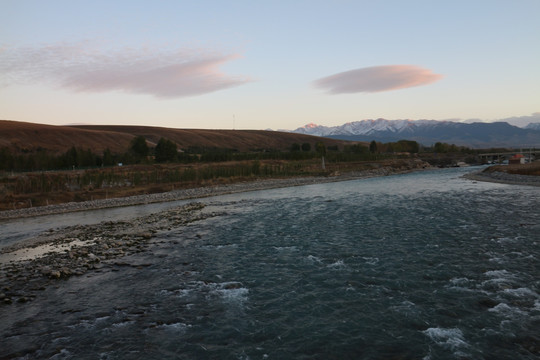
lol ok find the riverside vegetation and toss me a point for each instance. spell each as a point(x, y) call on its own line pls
point(85, 176)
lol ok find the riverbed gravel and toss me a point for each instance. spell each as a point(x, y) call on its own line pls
point(28, 267)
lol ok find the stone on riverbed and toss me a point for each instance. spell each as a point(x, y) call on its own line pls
point(76, 250)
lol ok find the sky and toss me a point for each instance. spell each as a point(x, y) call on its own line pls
point(268, 64)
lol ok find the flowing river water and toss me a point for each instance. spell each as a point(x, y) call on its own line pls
point(425, 265)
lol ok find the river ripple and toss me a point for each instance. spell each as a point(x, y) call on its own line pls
point(418, 266)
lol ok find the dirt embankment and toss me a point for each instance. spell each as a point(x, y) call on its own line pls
point(522, 174)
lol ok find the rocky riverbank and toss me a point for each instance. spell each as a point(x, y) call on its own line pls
point(504, 178)
point(27, 268)
point(200, 192)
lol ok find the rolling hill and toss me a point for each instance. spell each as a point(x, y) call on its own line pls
point(22, 137)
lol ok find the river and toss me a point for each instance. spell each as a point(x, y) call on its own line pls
point(425, 265)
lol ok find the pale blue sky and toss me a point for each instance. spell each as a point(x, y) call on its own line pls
point(273, 64)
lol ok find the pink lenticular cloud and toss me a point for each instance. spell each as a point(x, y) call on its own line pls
point(185, 78)
point(377, 79)
point(164, 74)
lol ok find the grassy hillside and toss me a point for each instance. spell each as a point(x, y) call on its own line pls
point(23, 137)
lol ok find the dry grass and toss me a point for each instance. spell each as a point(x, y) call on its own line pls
point(28, 137)
point(55, 191)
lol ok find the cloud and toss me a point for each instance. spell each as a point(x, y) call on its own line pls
point(82, 68)
point(377, 79)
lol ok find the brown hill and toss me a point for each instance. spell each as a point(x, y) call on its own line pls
point(28, 137)
point(24, 137)
point(242, 140)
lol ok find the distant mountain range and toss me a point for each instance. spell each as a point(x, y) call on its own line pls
point(428, 132)
point(533, 126)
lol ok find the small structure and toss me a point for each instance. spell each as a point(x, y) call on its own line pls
point(516, 159)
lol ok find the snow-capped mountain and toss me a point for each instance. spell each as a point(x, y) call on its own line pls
point(366, 127)
point(533, 126)
point(430, 131)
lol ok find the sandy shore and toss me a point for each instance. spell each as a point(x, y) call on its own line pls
point(199, 192)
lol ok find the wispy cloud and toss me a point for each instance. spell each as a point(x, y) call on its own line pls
point(377, 78)
point(158, 72)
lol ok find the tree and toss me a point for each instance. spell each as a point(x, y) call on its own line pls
point(306, 147)
point(320, 148)
point(108, 159)
point(407, 146)
point(139, 148)
point(373, 147)
point(332, 148)
point(85, 158)
point(6, 159)
point(295, 147)
point(356, 148)
point(166, 150)
point(71, 157)
point(440, 147)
